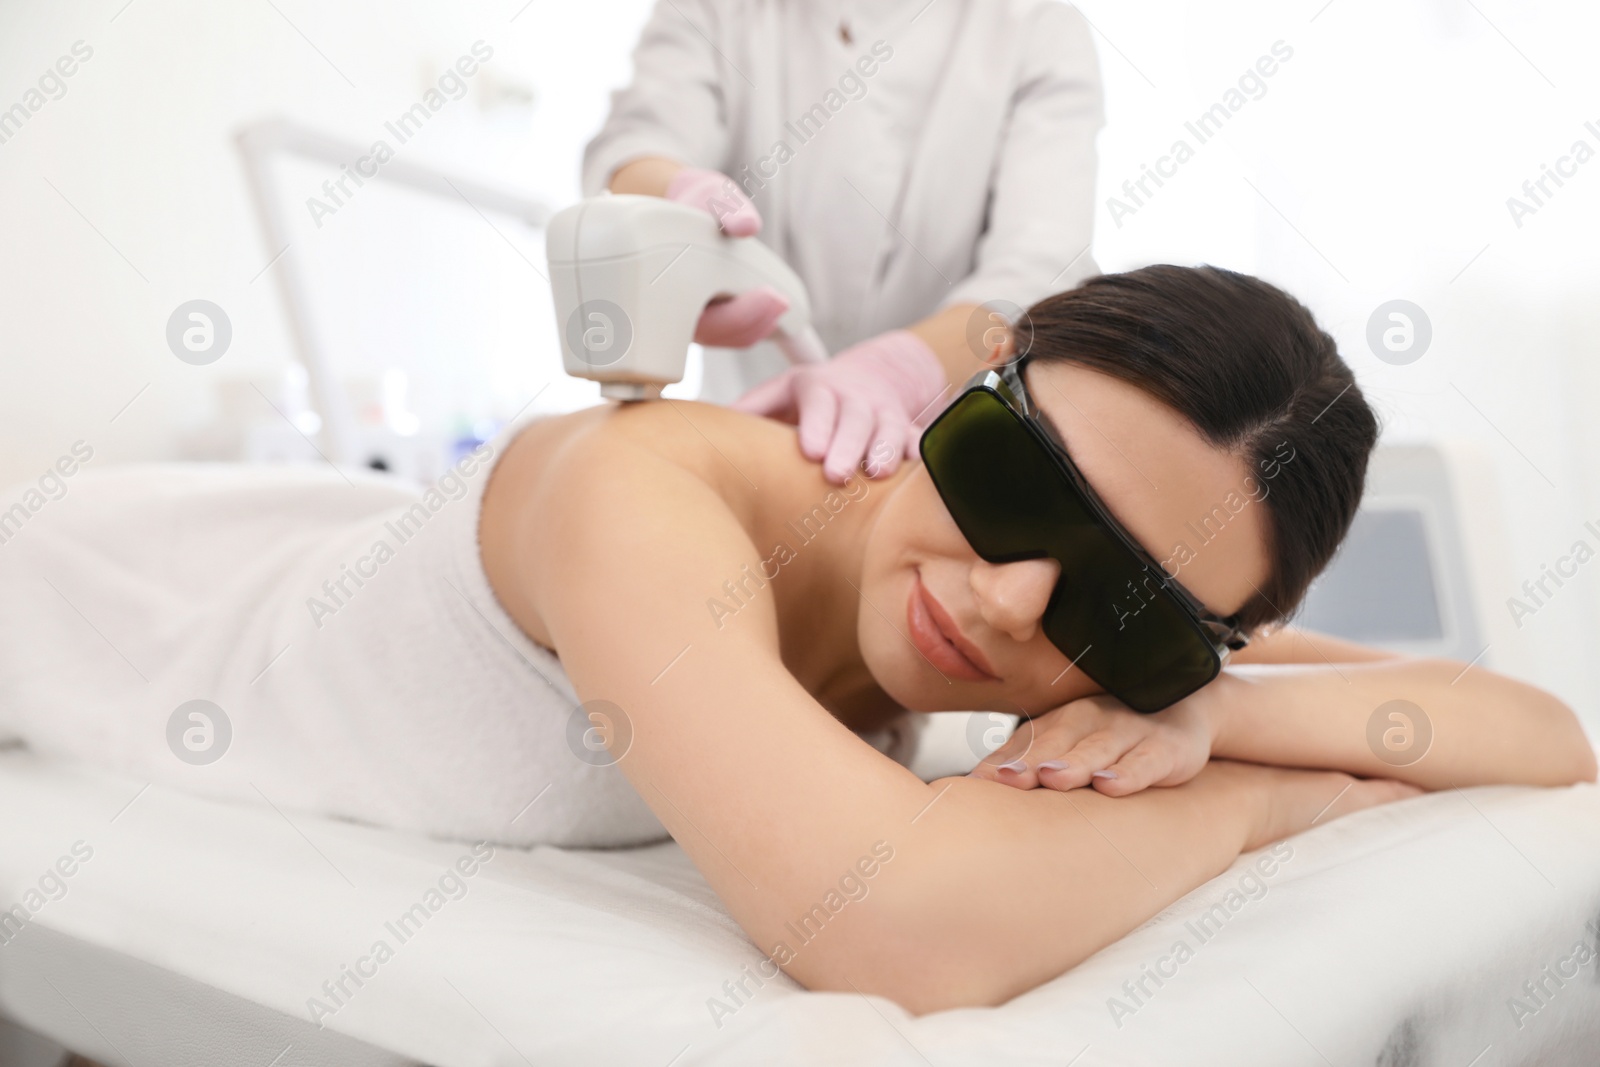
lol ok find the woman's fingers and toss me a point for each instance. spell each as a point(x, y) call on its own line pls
point(1072, 770)
point(1057, 759)
point(1016, 772)
point(1076, 766)
point(1013, 762)
point(1098, 743)
point(1144, 765)
point(1053, 774)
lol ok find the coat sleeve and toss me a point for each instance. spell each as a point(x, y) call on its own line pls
point(674, 107)
point(1041, 196)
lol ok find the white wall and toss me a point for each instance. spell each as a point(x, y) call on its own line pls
point(1381, 156)
point(1390, 143)
point(142, 146)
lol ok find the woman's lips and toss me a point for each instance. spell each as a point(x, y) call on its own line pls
point(937, 637)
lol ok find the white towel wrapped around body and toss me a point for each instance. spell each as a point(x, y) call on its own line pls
point(344, 627)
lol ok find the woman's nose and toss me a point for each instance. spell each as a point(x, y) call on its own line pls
point(1012, 596)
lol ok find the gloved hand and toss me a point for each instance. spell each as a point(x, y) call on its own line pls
point(879, 394)
point(748, 317)
point(741, 321)
point(718, 196)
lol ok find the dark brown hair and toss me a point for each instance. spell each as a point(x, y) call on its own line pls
point(1246, 364)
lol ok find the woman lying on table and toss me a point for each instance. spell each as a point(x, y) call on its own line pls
point(1104, 536)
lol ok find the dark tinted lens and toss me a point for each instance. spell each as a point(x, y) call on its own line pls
point(995, 479)
point(1108, 612)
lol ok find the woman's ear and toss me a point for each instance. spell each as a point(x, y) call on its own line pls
point(1000, 354)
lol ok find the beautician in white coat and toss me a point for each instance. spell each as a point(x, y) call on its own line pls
point(910, 160)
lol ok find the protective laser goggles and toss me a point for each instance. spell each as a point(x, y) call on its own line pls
point(1011, 487)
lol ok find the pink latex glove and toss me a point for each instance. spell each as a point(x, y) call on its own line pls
point(879, 394)
point(741, 321)
point(716, 195)
point(749, 317)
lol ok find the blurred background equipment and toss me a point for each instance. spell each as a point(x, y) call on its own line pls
point(1423, 569)
point(355, 413)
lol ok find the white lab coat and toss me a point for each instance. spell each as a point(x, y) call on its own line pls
point(944, 155)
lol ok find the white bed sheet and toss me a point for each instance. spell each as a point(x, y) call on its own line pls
point(1398, 936)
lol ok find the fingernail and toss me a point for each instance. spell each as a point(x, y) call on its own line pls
point(1103, 774)
point(1053, 765)
point(1016, 766)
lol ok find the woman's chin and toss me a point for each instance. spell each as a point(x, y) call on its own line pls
point(908, 681)
point(917, 687)
point(923, 691)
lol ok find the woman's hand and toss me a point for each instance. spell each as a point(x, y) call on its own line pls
point(1097, 741)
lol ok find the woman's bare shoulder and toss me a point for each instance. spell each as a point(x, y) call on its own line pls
point(712, 443)
point(649, 475)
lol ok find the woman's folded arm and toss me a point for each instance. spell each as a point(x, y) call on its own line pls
point(1433, 722)
point(841, 865)
point(992, 891)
